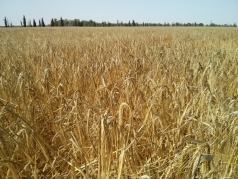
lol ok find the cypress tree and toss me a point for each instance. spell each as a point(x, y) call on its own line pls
point(34, 23)
point(133, 23)
point(61, 22)
point(52, 23)
point(24, 21)
point(5, 21)
point(42, 22)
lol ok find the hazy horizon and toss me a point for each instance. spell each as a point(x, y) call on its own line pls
point(184, 11)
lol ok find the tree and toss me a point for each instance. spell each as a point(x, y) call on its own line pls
point(21, 23)
point(52, 23)
point(61, 22)
point(133, 23)
point(42, 22)
point(34, 23)
point(24, 21)
point(75, 22)
point(81, 23)
point(55, 22)
point(5, 21)
point(66, 22)
point(129, 24)
point(78, 22)
point(212, 24)
point(39, 23)
point(188, 24)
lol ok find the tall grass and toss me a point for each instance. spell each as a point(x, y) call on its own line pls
point(119, 103)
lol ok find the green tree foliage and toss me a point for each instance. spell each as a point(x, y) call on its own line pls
point(66, 22)
point(78, 22)
point(212, 24)
point(5, 21)
point(88, 23)
point(75, 23)
point(133, 23)
point(188, 24)
point(42, 22)
point(34, 23)
point(55, 22)
point(52, 23)
point(24, 21)
point(61, 22)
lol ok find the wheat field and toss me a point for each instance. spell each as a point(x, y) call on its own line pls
point(155, 102)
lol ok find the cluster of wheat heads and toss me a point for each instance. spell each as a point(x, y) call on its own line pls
point(119, 103)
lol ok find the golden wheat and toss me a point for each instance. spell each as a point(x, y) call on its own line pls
point(119, 102)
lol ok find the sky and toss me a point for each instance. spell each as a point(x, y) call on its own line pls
point(150, 11)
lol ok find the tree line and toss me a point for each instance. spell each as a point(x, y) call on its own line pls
point(84, 23)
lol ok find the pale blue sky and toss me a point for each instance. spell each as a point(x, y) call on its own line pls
point(157, 11)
